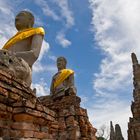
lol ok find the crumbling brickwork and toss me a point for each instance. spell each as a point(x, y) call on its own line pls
point(72, 120)
point(23, 116)
point(134, 122)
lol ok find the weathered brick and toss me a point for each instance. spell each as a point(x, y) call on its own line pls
point(61, 124)
point(23, 118)
point(9, 109)
point(14, 96)
point(37, 120)
point(21, 133)
point(5, 115)
point(70, 121)
point(5, 124)
point(2, 107)
point(3, 92)
point(25, 126)
point(40, 135)
point(39, 107)
point(40, 121)
point(33, 112)
point(44, 128)
point(4, 132)
point(3, 99)
point(84, 130)
point(48, 111)
point(55, 126)
point(28, 139)
point(48, 117)
point(19, 110)
point(74, 134)
point(30, 104)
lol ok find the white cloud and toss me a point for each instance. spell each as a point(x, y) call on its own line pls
point(60, 38)
point(44, 49)
point(117, 32)
point(42, 88)
point(64, 16)
point(5, 7)
point(66, 12)
point(52, 57)
point(7, 28)
point(46, 9)
point(84, 100)
point(39, 67)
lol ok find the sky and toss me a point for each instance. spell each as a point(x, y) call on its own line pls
point(97, 38)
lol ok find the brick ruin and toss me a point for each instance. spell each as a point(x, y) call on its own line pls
point(115, 134)
point(134, 122)
point(23, 116)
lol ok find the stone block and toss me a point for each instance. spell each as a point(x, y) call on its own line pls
point(9, 109)
point(61, 124)
point(23, 118)
point(30, 103)
point(74, 134)
point(3, 92)
point(4, 132)
point(21, 133)
point(70, 121)
point(41, 135)
point(5, 115)
point(84, 130)
point(40, 121)
point(27, 139)
point(63, 135)
point(5, 124)
point(2, 107)
point(25, 126)
point(44, 128)
point(14, 96)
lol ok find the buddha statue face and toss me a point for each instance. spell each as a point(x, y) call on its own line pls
point(61, 63)
point(24, 20)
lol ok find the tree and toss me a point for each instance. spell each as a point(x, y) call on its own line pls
point(103, 133)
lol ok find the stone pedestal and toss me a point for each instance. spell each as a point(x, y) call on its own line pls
point(22, 116)
point(72, 120)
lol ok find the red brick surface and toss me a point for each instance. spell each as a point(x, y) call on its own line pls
point(23, 116)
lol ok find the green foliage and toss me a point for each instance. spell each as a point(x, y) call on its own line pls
point(101, 138)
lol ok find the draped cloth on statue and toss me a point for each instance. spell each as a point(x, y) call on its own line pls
point(64, 74)
point(23, 35)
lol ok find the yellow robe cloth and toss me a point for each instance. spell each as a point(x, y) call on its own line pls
point(23, 35)
point(64, 74)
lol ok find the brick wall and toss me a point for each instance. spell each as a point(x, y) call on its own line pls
point(23, 116)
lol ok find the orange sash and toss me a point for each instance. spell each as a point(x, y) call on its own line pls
point(22, 35)
point(64, 74)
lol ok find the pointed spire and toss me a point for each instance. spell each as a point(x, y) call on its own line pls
point(118, 133)
point(134, 58)
point(112, 132)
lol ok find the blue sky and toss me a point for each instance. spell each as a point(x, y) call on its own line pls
point(97, 38)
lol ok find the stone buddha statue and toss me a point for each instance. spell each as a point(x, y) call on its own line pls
point(27, 42)
point(63, 81)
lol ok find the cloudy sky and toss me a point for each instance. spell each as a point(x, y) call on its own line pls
point(97, 38)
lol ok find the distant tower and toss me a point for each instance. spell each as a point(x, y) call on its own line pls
point(118, 133)
point(112, 132)
point(134, 122)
